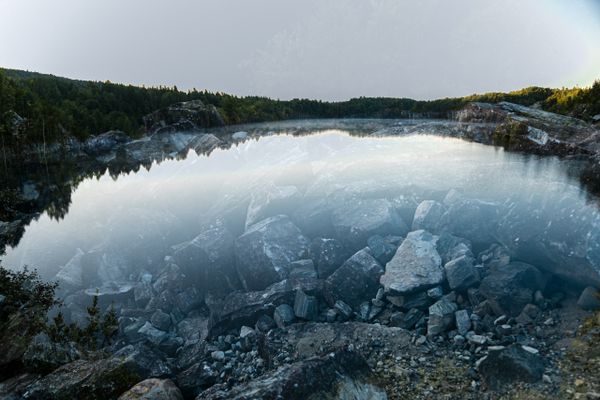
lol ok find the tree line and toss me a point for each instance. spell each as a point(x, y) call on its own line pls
point(36, 108)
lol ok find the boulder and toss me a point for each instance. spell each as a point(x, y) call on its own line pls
point(509, 365)
point(336, 376)
point(428, 215)
point(461, 274)
point(356, 220)
point(416, 266)
point(356, 280)
point(328, 255)
point(153, 389)
point(264, 252)
point(509, 288)
point(208, 261)
point(589, 299)
point(441, 317)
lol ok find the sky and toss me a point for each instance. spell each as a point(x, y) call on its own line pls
point(330, 50)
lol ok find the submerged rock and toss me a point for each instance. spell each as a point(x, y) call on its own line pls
point(355, 221)
point(416, 266)
point(264, 252)
point(271, 201)
point(356, 280)
point(208, 261)
point(428, 215)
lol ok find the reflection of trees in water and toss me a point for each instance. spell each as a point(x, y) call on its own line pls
point(56, 181)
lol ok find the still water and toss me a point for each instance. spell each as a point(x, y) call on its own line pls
point(131, 222)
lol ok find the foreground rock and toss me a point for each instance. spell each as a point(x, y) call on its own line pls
point(509, 288)
point(511, 364)
point(264, 252)
point(356, 280)
point(416, 266)
point(153, 389)
point(339, 375)
point(102, 379)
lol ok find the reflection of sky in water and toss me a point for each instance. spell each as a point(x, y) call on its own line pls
point(174, 200)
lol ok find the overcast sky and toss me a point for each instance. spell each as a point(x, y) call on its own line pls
point(332, 50)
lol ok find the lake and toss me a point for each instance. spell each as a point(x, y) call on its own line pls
point(122, 230)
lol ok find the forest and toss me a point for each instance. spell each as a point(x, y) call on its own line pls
point(36, 108)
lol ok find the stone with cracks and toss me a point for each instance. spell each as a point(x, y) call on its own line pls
point(416, 266)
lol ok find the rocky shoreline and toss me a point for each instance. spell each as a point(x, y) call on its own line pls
point(426, 297)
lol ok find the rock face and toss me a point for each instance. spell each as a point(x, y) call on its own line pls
point(208, 261)
point(354, 222)
point(183, 117)
point(264, 252)
point(356, 280)
point(102, 379)
point(416, 266)
point(153, 389)
point(509, 365)
point(317, 377)
point(509, 288)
